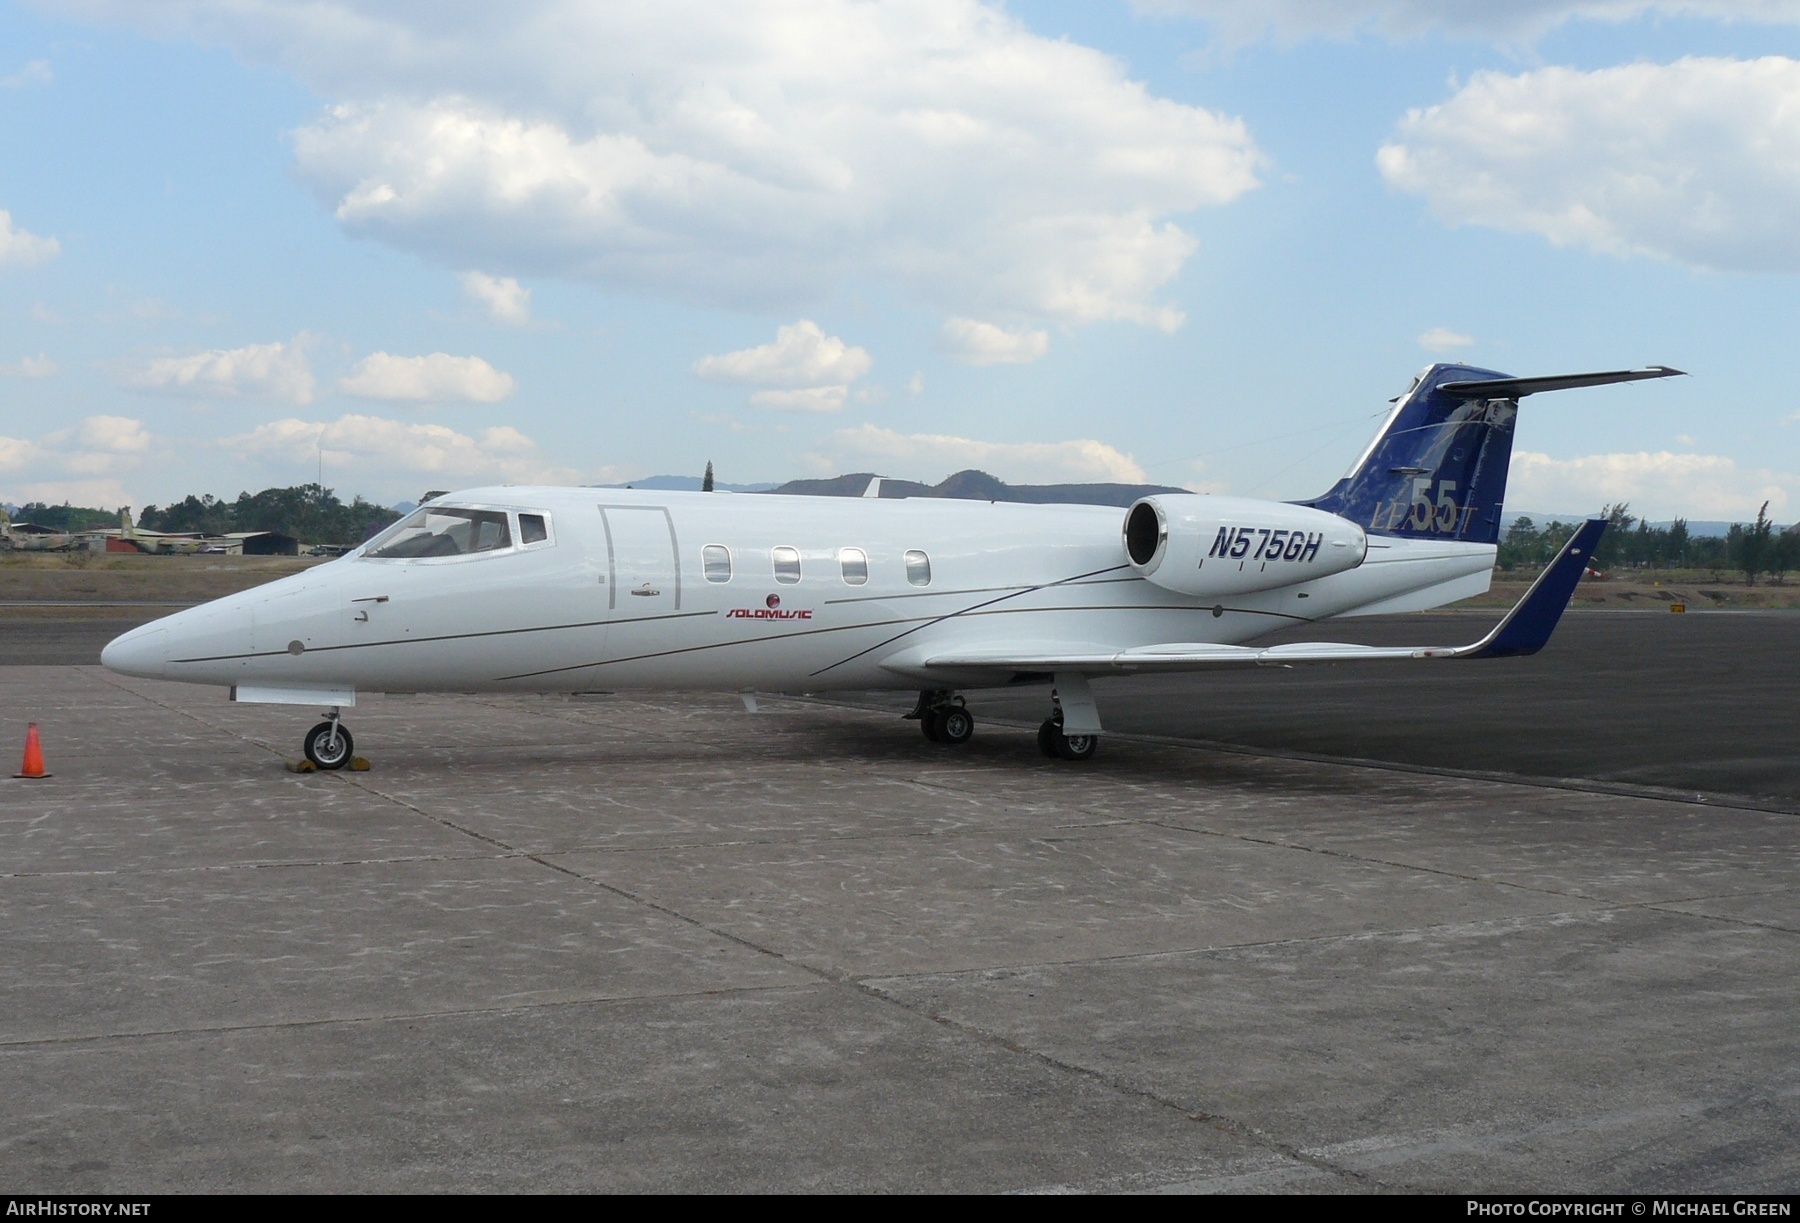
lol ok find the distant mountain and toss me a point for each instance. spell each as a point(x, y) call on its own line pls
point(974, 485)
point(688, 484)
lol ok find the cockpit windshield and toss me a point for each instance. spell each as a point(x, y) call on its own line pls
point(444, 531)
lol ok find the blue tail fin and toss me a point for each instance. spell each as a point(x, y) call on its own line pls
point(1438, 468)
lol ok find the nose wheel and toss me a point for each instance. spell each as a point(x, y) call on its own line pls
point(328, 745)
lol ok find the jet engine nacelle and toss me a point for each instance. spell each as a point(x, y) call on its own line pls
point(1209, 546)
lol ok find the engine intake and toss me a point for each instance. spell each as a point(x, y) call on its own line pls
point(1210, 546)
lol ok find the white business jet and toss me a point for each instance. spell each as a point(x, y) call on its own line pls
point(572, 590)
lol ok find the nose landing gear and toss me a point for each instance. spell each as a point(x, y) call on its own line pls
point(328, 744)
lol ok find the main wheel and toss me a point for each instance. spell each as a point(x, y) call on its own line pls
point(1047, 736)
point(326, 750)
point(953, 724)
point(1077, 747)
point(928, 725)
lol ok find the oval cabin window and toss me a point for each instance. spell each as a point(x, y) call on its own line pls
point(855, 564)
point(715, 559)
point(787, 565)
point(918, 567)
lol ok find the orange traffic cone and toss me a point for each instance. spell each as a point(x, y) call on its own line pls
point(34, 756)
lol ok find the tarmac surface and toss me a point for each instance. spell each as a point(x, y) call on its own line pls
point(660, 943)
point(1697, 703)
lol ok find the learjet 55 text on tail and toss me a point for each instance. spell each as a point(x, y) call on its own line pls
point(569, 590)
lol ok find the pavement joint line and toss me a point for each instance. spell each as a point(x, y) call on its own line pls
point(159, 871)
point(1731, 802)
point(842, 978)
point(1664, 906)
point(1346, 856)
point(100, 674)
point(324, 1021)
point(1348, 936)
point(1215, 1120)
point(1597, 901)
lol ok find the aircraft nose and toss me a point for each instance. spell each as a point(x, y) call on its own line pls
point(142, 652)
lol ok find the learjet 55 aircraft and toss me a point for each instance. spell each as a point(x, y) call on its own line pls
point(571, 590)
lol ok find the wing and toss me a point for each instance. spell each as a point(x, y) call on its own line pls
point(1524, 630)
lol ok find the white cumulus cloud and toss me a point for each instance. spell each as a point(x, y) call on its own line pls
point(113, 434)
point(35, 72)
point(924, 455)
point(504, 298)
point(754, 155)
point(802, 355)
point(81, 464)
point(435, 378)
point(1697, 161)
point(377, 447)
point(1658, 484)
point(1243, 21)
point(804, 399)
point(1442, 339)
point(812, 370)
point(973, 342)
point(16, 452)
point(39, 366)
point(278, 371)
point(20, 248)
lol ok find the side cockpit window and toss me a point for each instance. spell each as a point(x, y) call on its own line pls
point(533, 529)
point(444, 531)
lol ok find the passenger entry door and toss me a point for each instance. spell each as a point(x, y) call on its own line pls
point(643, 574)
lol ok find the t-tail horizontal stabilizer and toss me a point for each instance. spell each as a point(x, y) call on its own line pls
point(1524, 630)
point(1518, 388)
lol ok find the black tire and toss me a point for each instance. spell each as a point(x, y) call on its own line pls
point(323, 752)
point(1047, 734)
point(928, 725)
point(1076, 747)
point(953, 725)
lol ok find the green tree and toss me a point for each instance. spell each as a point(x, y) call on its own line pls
point(1674, 549)
point(1520, 544)
point(206, 513)
point(1749, 546)
point(308, 512)
point(1784, 552)
point(66, 517)
point(1615, 545)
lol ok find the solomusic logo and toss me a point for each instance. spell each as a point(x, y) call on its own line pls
point(770, 610)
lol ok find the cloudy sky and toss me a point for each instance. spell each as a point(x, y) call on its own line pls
point(1196, 242)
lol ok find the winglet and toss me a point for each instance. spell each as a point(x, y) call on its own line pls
point(1527, 627)
point(874, 489)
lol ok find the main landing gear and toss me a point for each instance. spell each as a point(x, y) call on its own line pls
point(1058, 746)
point(328, 744)
point(943, 718)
